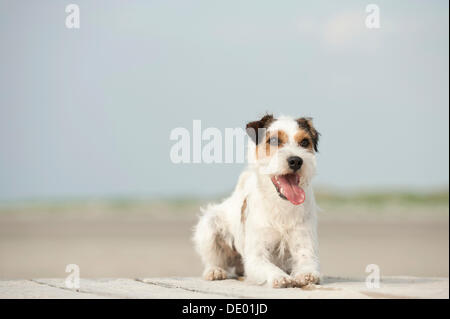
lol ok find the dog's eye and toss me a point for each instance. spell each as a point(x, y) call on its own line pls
point(274, 141)
point(304, 142)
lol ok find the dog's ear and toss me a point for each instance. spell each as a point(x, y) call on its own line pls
point(255, 129)
point(306, 124)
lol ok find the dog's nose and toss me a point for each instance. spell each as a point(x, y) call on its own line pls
point(295, 163)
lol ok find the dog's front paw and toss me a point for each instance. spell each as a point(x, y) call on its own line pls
point(215, 273)
point(283, 282)
point(307, 278)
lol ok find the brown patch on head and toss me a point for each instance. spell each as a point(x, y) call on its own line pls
point(303, 139)
point(243, 208)
point(305, 124)
point(280, 135)
point(256, 129)
point(272, 142)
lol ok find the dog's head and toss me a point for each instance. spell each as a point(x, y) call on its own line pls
point(284, 151)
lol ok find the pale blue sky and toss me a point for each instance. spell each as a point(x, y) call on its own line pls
point(88, 112)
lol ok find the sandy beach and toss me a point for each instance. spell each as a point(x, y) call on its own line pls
point(138, 241)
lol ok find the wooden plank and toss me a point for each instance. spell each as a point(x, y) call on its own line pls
point(27, 289)
point(238, 289)
point(194, 287)
point(129, 288)
point(395, 286)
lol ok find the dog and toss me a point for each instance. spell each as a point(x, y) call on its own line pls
point(267, 229)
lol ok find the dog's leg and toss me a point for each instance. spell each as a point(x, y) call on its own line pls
point(258, 264)
point(304, 251)
point(209, 243)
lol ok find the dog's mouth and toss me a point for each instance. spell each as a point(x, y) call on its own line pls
point(287, 187)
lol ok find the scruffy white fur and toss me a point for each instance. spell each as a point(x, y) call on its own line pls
point(274, 242)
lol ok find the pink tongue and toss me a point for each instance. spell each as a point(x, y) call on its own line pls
point(289, 188)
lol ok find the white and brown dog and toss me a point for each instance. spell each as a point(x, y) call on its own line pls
point(268, 227)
